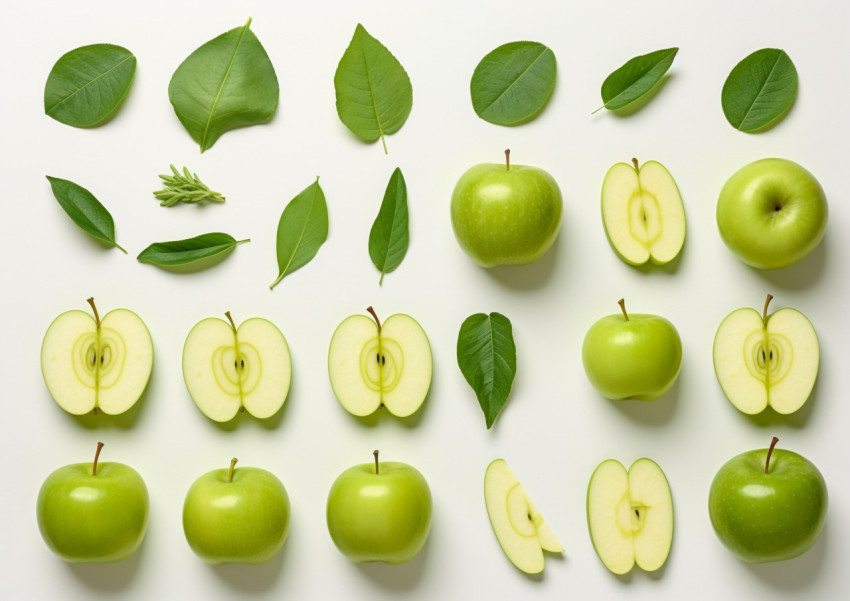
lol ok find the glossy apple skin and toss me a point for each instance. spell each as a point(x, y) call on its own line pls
point(379, 517)
point(772, 213)
point(85, 518)
point(505, 216)
point(768, 517)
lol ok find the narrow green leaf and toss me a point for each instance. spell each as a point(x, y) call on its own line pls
point(302, 230)
point(88, 84)
point(85, 210)
point(513, 83)
point(228, 82)
point(759, 90)
point(373, 92)
point(486, 356)
point(389, 237)
point(635, 78)
point(190, 250)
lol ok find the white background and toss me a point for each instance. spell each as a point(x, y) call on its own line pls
point(555, 428)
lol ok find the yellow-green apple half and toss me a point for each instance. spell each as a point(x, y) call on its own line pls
point(768, 504)
point(632, 356)
point(228, 369)
point(374, 365)
point(506, 214)
point(630, 515)
point(236, 515)
point(93, 512)
point(519, 527)
point(772, 213)
point(642, 212)
point(766, 360)
point(93, 364)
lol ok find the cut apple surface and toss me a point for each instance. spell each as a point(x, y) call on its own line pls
point(642, 212)
point(518, 525)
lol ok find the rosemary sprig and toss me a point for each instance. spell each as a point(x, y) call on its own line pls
point(185, 187)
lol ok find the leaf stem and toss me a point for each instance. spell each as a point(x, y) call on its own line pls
point(96, 456)
point(622, 303)
point(769, 453)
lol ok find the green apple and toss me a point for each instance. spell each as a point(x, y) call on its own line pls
point(519, 527)
point(236, 515)
point(642, 212)
point(635, 356)
point(772, 213)
point(229, 369)
point(630, 515)
point(93, 512)
point(766, 360)
point(505, 214)
point(379, 512)
point(374, 365)
point(768, 504)
point(93, 364)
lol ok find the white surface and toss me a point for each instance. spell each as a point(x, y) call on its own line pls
point(555, 429)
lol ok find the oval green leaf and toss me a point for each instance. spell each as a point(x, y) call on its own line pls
point(302, 230)
point(190, 250)
point(635, 78)
point(486, 355)
point(759, 90)
point(373, 92)
point(85, 210)
point(88, 84)
point(228, 82)
point(390, 235)
point(513, 83)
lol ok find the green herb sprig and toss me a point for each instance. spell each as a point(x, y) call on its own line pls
point(185, 187)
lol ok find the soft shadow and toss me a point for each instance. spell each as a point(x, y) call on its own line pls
point(249, 578)
point(796, 574)
point(532, 276)
point(769, 418)
point(633, 107)
point(651, 413)
point(123, 421)
point(800, 276)
point(398, 578)
point(110, 578)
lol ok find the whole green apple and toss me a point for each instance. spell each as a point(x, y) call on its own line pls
point(505, 214)
point(93, 512)
point(772, 213)
point(634, 356)
point(768, 504)
point(236, 515)
point(379, 512)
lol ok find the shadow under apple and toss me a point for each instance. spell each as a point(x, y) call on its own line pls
point(398, 578)
point(250, 578)
point(110, 577)
point(531, 276)
point(800, 276)
point(793, 575)
point(651, 413)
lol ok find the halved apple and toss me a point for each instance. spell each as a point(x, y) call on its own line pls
point(519, 527)
point(630, 515)
point(763, 360)
point(374, 365)
point(642, 212)
point(228, 369)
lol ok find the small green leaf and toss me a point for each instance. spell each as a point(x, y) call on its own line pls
point(635, 78)
point(759, 90)
point(85, 210)
point(389, 237)
point(88, 84)
point(184, 187)
point(486, 356)
point(513, 83)
point(302, 230)
point(373, 92)
point(190, 250)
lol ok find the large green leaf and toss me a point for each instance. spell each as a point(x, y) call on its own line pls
point(191, 250)
point(759, 90)
point(85, 210)
point(389, 237)
point(635, 78)
point(302, 230)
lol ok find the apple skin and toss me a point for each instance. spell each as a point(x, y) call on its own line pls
point(772, 213)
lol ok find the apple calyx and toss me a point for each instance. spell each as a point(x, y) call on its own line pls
point(375, 453)
point(507, 159)
point(769, 453)
point(622, 303)
point(232, 469)
point(96, 455)
point(764, 313)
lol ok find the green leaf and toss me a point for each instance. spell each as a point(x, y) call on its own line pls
point(486, 356)
point(184, 187)
point(759, 90)
point(88, 84)
point(190, 250)
point(228, 82)
point(635, 78)
point(373, 92)
point(85, 210)
point(302, 230)
point(389, 237)
point(513, 83)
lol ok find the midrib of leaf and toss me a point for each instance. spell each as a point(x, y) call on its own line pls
point(492, 350)
point(372, 96)
point(285, 270)
point(78, 90)
point(761, 89)
point(518, 77)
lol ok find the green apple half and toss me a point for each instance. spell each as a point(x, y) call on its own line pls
point(374, 365)
point(642, 212)
point(94, 364)
point(519, 527)
point(227, 369)
point(766, 360)
point(630, 515)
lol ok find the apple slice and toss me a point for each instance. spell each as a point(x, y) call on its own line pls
point(94, 364)
point(642, 212)
point(373, 365)
point(766, 360)
point(227, 368)
point(519, 527)
point(630, 515)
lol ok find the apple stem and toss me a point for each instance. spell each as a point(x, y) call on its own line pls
point(230, 319)
point(622, 303)
point(764, 314)
point(769, 453)
point(635, 163)
point(508, 159)
point(375, 317)
point(232, 469)
point(90, 301)
point(375, 453)
point(96, 456)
